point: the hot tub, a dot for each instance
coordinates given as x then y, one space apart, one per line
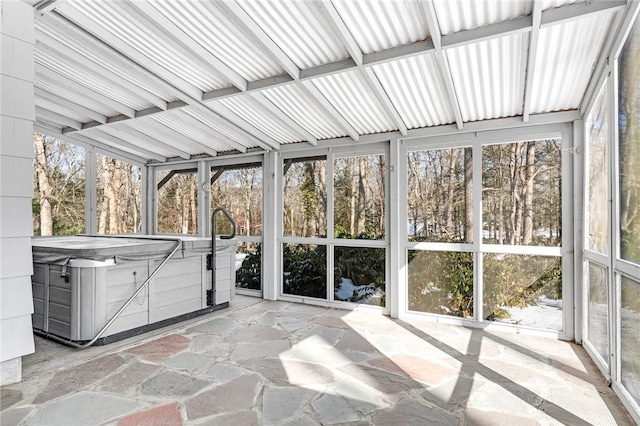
80 282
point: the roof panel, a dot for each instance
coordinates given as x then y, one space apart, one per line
489 76
294 102
381 24
416 88
46 84
295 27
458 15
204 22
128 24
566 57
351 96
255 114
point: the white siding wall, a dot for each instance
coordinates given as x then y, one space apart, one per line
17 113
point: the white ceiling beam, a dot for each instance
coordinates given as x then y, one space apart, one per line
284 118
77 61
577 11
443 62
531 58
171 134
84 142
332 16
312 91
73 86
56 118
71 106
118 142
46 6
178 35
124 131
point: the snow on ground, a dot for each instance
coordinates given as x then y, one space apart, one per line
547 315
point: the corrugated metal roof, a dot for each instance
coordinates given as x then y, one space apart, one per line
381 24
204 23
567 55
293 100
280 71
353 99
488 77
256 115
415 86
124 21
295 27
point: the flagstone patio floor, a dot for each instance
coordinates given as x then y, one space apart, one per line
277 363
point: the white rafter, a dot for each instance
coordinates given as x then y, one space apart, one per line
441 59
105 137
536 17
286 120
333 17
124 131
57 118
71 106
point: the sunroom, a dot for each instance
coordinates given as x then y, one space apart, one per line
473 163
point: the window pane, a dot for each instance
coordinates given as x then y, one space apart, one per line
441 282
305 198
598 188
249 266
58 187
118 196
239 190
629 136
360 275
439 195
359 197
305 270
598 314
523 290
630 337
521 202
177 201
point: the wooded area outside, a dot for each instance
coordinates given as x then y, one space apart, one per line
177 201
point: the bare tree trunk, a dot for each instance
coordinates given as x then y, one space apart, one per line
528 197
44 186
449 202
113 184
468 194
363 184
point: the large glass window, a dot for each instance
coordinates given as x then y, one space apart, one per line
305 270
521 203
439 195
359 197
523 290
177 201
360 275
58 187
598 310
118 196
597 188
630 336
305 197
629 146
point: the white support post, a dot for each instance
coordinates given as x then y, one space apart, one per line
150 196
570 290
91 194
203 206
271 276
579 147
397 232
478 290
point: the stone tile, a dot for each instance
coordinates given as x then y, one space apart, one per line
188 361
353 341
172 384
321 335
292 324
206 342
453 393
288 372
329 321
304 420
474 417
279 403
222 372
268 319
257 333
76 378
9 397
327 356
237 395
164 415
240 418
215 326
259 349
424 370
84 408
128 378
161 349
384 381
361 397
409 412
219 351
14 416
334 409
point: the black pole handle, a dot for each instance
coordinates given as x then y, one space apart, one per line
213 223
